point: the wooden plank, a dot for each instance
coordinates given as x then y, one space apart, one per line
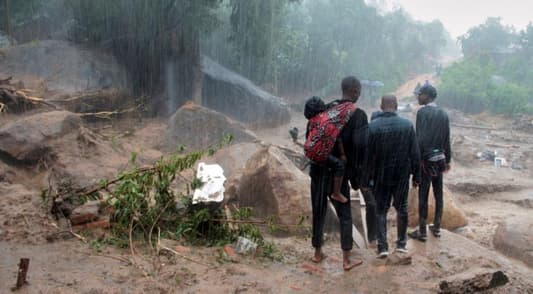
22 273
363 216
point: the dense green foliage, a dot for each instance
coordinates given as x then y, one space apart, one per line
495 74
307 47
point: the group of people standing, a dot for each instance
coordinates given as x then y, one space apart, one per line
380 158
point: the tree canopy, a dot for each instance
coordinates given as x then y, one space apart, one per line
496 72
286 46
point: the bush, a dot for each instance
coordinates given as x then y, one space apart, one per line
471 86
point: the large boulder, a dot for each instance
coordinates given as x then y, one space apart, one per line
62 67
233 158
515 239
198 127
236 96
452 218
273 186
27 139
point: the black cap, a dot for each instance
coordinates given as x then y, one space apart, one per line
428 90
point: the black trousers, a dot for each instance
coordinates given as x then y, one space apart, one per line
371 218
423 197
398 195
321 188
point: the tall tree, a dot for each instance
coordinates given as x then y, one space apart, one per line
490 37
145 35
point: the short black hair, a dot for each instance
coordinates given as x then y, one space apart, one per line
428 90
349 83
314 106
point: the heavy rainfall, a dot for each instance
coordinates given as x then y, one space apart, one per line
263 146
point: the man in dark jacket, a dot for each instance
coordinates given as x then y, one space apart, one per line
393 157
433 133
322 178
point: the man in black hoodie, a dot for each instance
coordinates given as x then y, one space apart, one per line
322 180
433 133
392 157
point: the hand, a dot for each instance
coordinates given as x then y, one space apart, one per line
343 158
416 184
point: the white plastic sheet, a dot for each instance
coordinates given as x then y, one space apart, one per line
212 177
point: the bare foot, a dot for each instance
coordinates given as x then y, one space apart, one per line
348 265
339 197
319 257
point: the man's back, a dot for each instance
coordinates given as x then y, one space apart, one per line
433 131
358 121
393 150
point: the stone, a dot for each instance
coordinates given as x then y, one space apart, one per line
452 217
514 238
85 213
197 127
27 139
233 158
273 186
227 92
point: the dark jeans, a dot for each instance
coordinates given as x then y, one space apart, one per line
371 221
321 185
398 195
423 195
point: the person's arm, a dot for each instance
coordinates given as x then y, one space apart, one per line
369 160
447 144
414 154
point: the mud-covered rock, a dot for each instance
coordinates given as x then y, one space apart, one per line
233 158
236 96
273 186
27 139
515 239
198 127
85 213
452 217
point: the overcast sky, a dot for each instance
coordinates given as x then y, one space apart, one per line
458 16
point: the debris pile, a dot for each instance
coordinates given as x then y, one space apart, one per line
14 98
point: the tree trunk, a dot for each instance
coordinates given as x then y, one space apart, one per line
8 22
197 74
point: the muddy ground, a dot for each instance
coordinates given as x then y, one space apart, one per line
60 263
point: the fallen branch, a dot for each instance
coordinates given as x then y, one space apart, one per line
79 237
79 97
106 114
18 100
22 273
502 145
6 81
474 127
185 257
254 222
